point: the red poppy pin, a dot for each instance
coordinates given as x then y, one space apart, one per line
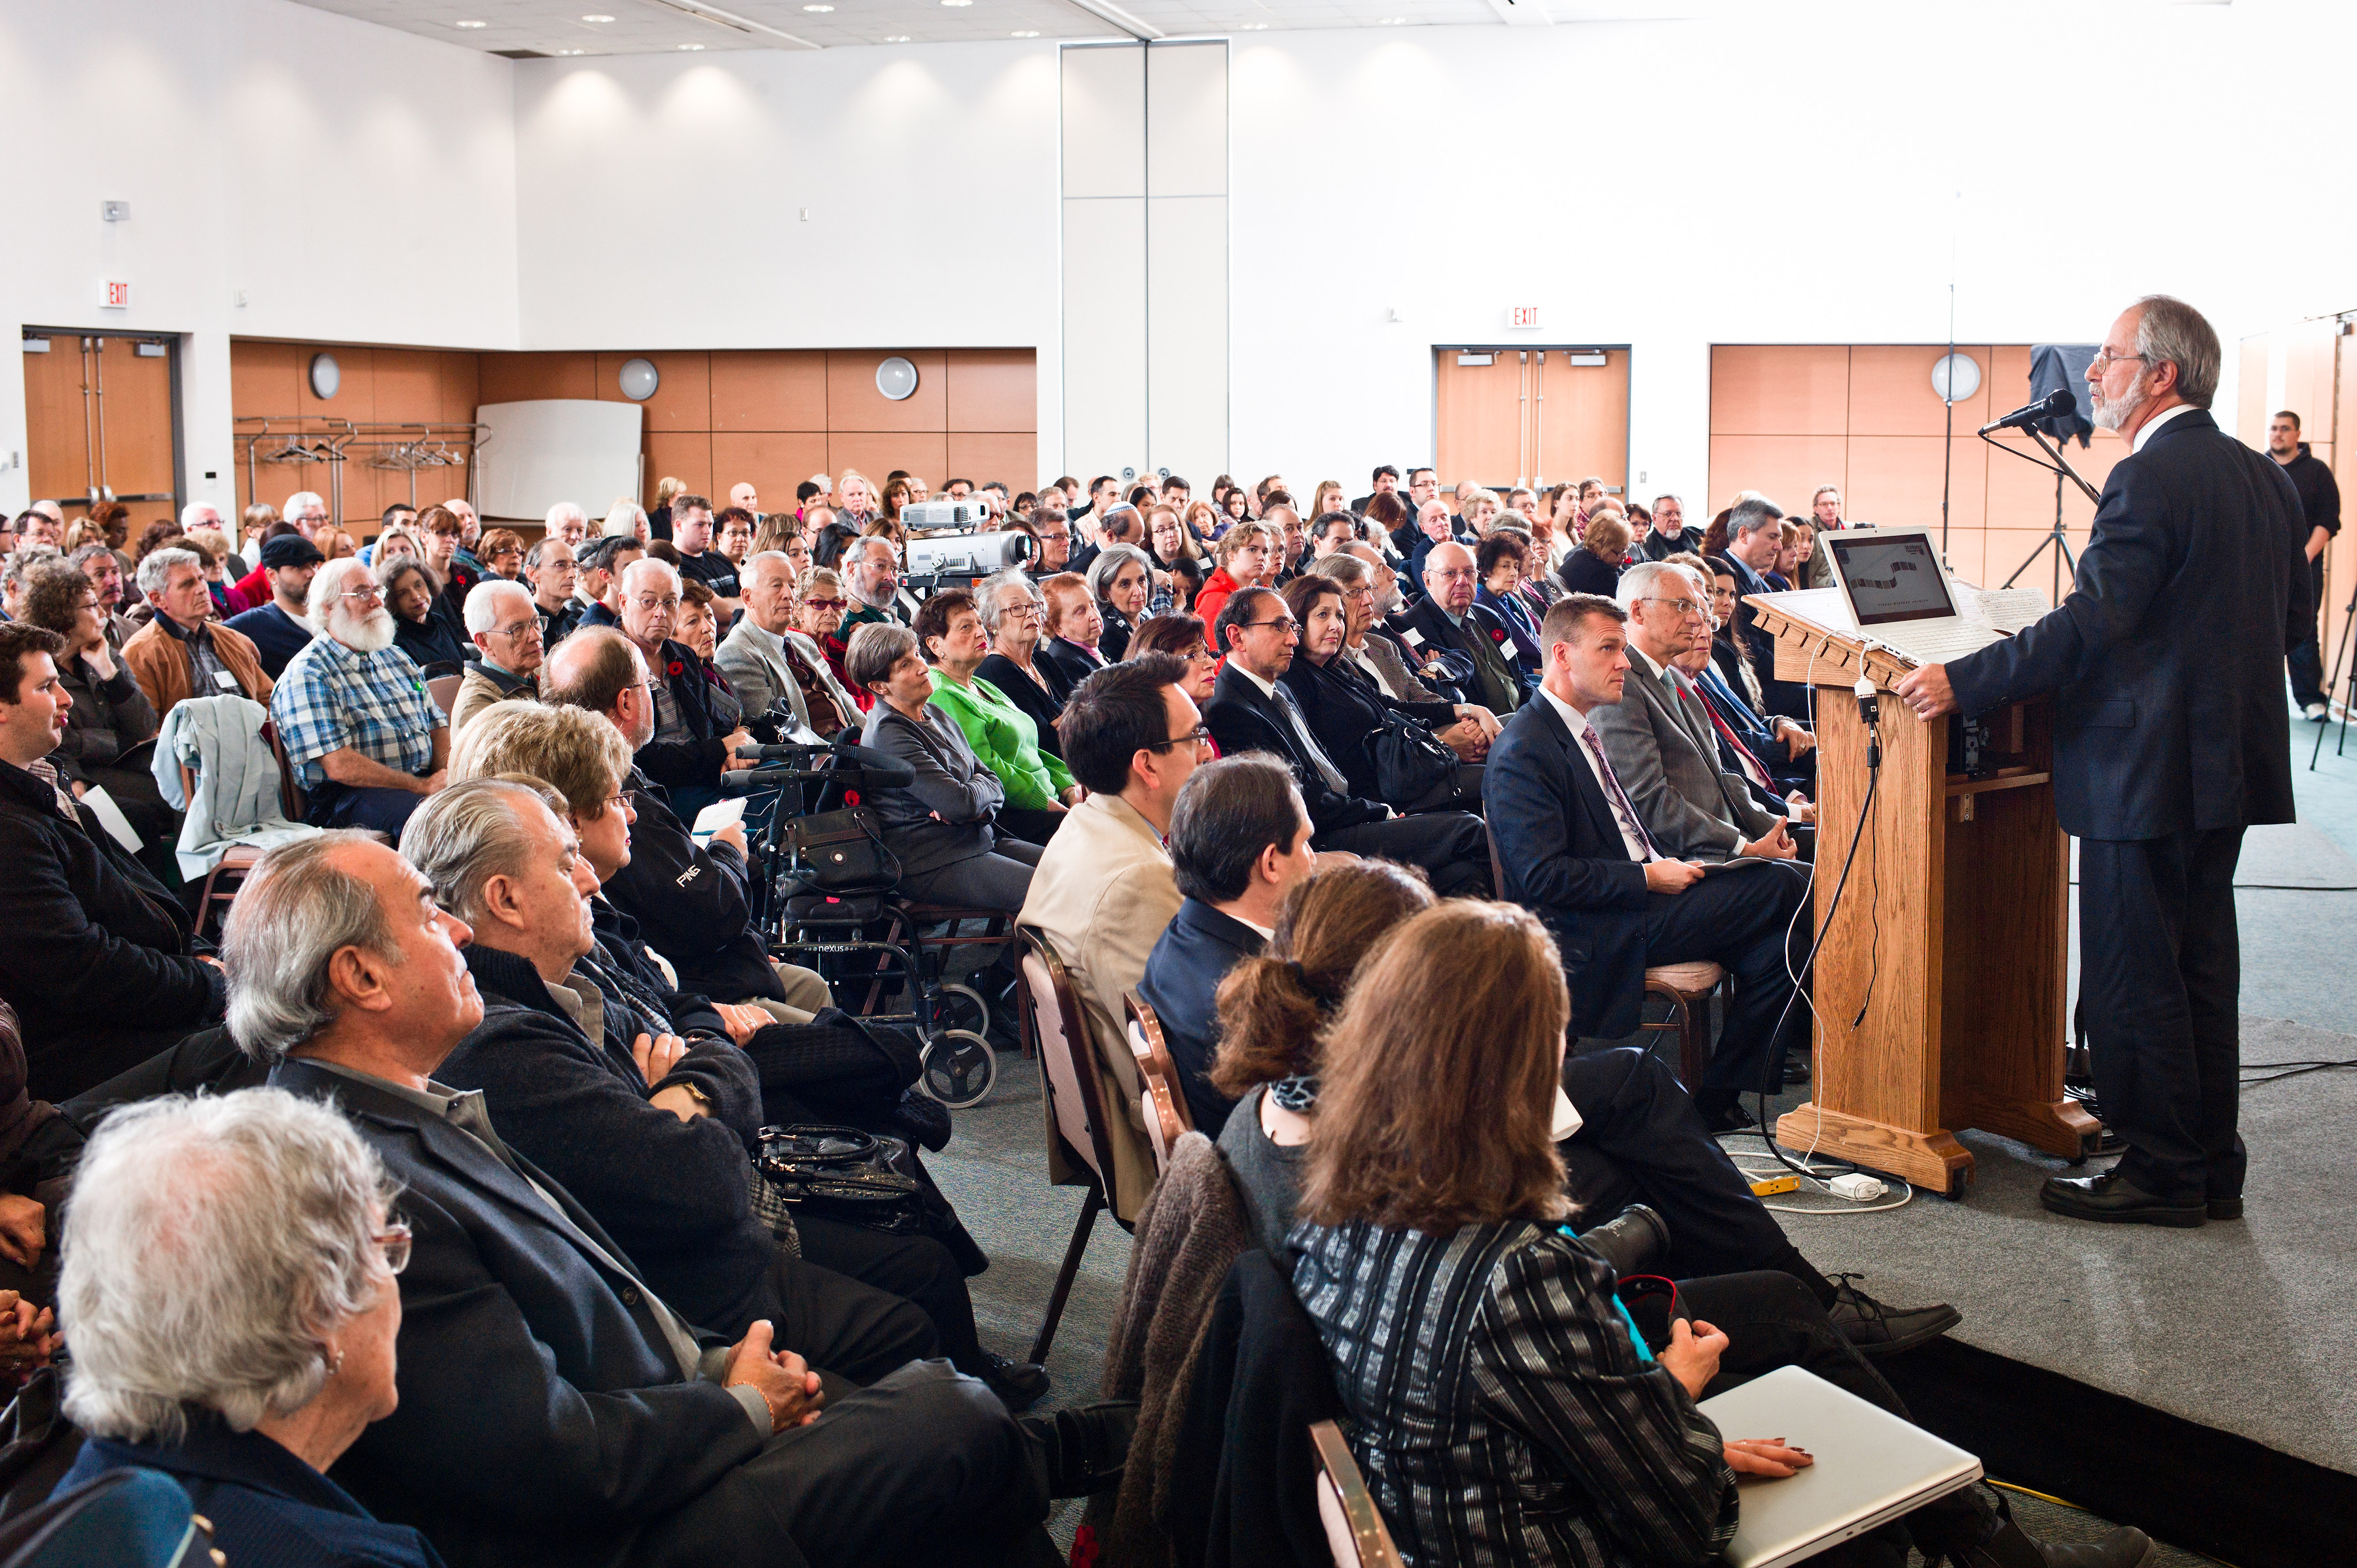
1497 634
676 668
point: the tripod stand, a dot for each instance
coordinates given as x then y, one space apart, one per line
2340 659
2058 538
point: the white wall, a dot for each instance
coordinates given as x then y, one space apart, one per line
1674 185
358 183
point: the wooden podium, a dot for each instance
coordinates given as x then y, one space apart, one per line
1952 938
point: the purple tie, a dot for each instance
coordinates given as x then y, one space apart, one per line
1620 797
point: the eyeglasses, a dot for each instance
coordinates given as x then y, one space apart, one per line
1286 624
826 604
520 628
649 604
1195 737
1683 608
1026 609
2105 358
394 1240
364 595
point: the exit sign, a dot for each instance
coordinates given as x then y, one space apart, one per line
1523 317
114 294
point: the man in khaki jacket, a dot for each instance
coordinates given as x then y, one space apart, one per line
1105 888
182 652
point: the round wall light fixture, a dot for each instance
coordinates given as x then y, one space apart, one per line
1955 377
325 376
638 379
896 378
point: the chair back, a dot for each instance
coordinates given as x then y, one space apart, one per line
444 690
1159 1095
1497 867
292 800
1354 1530
131 1518
1052 1011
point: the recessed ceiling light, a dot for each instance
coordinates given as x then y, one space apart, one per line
897 38
957 2
820 10
597 19
1029 33
470 24
1255 27
690 46
573 51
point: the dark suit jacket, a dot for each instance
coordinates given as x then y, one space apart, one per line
544 1418
2166 657
693 904
1585 572
1023 693
1497 685
1183 972
1243 719
1561 857
1787 697
693 761
1064 664
1345 710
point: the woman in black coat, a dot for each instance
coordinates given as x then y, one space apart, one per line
111 715
1595 567
1346 710
410 593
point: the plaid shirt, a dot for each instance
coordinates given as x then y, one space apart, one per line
332 697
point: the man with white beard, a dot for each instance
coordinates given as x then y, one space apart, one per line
365 740
871 572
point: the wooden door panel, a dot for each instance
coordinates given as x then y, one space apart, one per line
57 423
1583 425
1480 414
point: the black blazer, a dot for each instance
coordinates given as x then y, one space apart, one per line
694 762
522 1355
1183 972
1113 641
2166 659
431 644
1789 698
1064 665
1497 684
1023 693
1345 710
99 959
1585 572
1243 719
1561 857
693 904
946 814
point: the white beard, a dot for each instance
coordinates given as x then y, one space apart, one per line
2110 414
370 633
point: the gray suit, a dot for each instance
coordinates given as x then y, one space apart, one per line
1396 677
1663 747
755 666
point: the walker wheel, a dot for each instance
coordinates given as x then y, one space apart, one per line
961 1007
960 1069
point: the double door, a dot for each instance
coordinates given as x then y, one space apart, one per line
101 421
1508 416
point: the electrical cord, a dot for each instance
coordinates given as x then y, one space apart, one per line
1814 1174
2291 1069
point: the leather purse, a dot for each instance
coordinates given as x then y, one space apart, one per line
1411 762
841 851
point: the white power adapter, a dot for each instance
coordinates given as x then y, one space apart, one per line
1857 1187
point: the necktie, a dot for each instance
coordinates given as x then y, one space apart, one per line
1751 765
1334 779
1621 806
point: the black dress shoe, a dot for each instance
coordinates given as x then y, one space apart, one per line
1086 1447
2113 1199
1734 1119
1019 1385
1877 1330
1796 1069
2225 1207
2005 1545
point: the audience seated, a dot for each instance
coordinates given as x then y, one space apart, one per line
548 567
233 1288
1666 534
870 569
1350 714
693 901
943 827
1104 889
1489 1372
1501 559
692 531
1446 619
105 569
413 596
101 960
1238 841
1662 744
535 1358
278 626
637 1098
181 653
1595 567
688 750
1121 582
1436 525
1251 710
1039 788
364 738
760 660
1785 747
1014 617
507 636
440 533
1186 639
1052 537
823 600
1754 539
599 591
1574 851
699 632
1373 649
1247 557
1070 626
108 720
500 551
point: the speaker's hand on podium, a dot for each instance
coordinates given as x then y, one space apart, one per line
1927 691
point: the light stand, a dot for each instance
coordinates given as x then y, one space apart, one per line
2062 470
2340 658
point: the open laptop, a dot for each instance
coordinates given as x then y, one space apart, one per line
1900 596
1871 1467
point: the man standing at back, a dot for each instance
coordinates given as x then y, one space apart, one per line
2319 503
2170 738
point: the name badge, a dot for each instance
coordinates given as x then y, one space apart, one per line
226 682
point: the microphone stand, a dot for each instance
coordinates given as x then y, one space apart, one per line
2060 469
2340 658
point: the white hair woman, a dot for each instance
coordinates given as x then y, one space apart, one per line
228 1276
627 519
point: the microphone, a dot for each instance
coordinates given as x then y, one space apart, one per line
2054 405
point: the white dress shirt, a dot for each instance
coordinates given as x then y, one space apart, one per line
2155 423
1576 722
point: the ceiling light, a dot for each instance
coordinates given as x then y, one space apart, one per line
691 46
957 2
597 19
470 24
897 38
1255 27
573 51
820 10
1029 33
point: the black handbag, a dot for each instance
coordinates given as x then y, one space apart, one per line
859 1178
1411 762
841 851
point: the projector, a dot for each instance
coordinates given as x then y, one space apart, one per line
964 554
922 516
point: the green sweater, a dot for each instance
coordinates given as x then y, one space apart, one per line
1006 739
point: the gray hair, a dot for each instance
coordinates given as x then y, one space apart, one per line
1641 581
645 565
875 647
483 602
294 912
1109 563
157 568
192 516
986 593
17 564
777 558
624 520
1348 570
300 502
2171 330
328 584
564 512
216 1243
465 835
1752 514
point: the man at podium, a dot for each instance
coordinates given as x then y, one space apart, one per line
2170 738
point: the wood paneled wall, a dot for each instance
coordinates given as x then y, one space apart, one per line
774 417
378 386
1785 418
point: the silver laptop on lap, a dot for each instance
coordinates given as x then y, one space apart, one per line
1900 593
1871 1467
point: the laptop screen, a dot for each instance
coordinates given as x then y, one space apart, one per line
1891 579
